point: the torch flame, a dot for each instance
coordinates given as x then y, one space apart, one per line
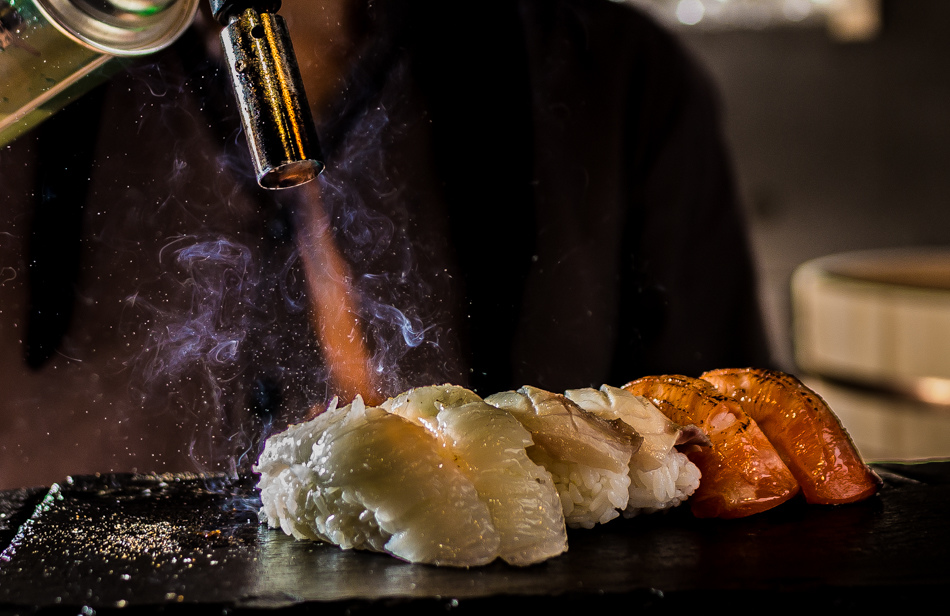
333 303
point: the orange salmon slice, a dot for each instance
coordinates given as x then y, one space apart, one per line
742 473
805 432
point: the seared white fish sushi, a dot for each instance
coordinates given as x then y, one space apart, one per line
491 447
660 476
588 457
360 477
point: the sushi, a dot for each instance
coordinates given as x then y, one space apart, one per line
490 446
437 475
360 477
587 457
661 477
433 476
742 473
805 432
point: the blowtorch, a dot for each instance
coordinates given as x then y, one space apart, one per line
55 50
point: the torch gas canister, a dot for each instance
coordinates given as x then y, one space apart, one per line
52 51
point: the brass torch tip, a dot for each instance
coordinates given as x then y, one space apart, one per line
274 110
290 174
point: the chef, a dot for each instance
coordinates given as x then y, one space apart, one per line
534 192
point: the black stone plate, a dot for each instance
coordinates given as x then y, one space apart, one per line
190 543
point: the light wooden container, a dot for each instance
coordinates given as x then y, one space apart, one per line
873 329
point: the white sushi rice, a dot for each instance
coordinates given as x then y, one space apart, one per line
662 488
589 496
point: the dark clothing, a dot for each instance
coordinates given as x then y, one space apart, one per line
532 193
579 163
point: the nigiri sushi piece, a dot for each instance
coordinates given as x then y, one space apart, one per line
363 478
742 472
491 447
660 476
588 457
804 431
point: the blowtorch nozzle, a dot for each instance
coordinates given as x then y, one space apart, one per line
274 109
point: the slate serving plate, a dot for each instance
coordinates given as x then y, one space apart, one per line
192 543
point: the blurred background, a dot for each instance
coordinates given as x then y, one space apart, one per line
838 114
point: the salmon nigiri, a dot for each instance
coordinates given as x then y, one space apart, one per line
742 473
804 431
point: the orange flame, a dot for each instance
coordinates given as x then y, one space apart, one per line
333 304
